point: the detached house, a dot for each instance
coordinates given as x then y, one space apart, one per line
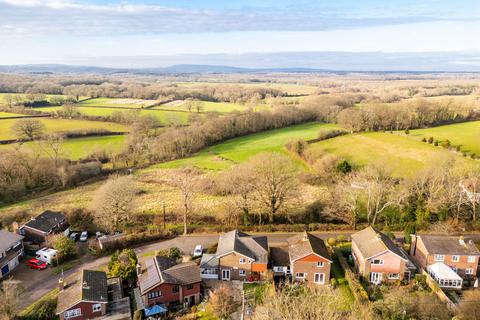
90 295
305 259
165 283
39 228
239 256
378 259
444 256
11 251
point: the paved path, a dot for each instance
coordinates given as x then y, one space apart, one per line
38 283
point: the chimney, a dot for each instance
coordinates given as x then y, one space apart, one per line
139 269
305 236
61 284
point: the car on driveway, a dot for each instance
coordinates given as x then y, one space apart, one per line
198 251
84 236
36 264
74 236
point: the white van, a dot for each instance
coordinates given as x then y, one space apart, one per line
47 255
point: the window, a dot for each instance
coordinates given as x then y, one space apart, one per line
189 286
96 307
377 261
320 264
455 258
175 289
471 259
393 276
241 272
469 271
300 275
243 261
154 294
439 257
319 278
72 313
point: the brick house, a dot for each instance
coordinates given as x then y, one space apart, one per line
378 259
459 254
39 228
164 282
84 297
11 251
305 259
239 256
90 295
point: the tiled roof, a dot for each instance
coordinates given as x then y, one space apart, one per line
7 239
254 247
46 221
304 244
450 245
164 270
87 285
371 242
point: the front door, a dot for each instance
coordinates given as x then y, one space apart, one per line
375 277
192 300
225 274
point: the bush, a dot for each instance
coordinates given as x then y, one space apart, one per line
424 139
407 131
331 242
435 143
138 315
344 167
446 144
172 253
333 283
430 140
341 238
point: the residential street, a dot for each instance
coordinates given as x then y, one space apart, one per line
38 283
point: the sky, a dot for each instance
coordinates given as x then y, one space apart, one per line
95 31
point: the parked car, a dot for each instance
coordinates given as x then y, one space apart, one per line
98 234
198 251
36 264
74 236
84 236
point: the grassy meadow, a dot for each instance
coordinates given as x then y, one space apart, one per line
405 156
77 148
61 125
23 96
117 103
9 114
466 135
208 106
223 155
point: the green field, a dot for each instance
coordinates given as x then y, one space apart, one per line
118 103
208 106
61 125
238 150
9 114
466 135
77 148
405 156
165 117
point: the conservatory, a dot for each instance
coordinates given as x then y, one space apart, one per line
445 276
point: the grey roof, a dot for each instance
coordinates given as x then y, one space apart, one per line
280 256
46 221
371 242
164 270
88 285
254 247
209 261
449 245
7 239
304 244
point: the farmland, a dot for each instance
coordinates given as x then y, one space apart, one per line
61 126
240 149
405 156
208 106
165 117
117 103
466 135
23 96
77 148
9 114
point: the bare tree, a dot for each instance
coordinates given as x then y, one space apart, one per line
274 182
52 145
470 191
10 299
114 202
345 202
185 180
470 305
238 181
28 129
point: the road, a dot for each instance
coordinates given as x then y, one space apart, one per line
38 283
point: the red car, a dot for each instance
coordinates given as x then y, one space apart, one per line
36 264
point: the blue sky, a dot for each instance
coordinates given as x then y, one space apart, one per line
78 31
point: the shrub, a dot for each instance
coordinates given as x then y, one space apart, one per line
407 131
333 283
344 167
473 155
424 139
430 140
138 315
435 143
446 143
341 238
458 148
331 242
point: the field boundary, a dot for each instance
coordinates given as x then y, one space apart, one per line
27 116
91 134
